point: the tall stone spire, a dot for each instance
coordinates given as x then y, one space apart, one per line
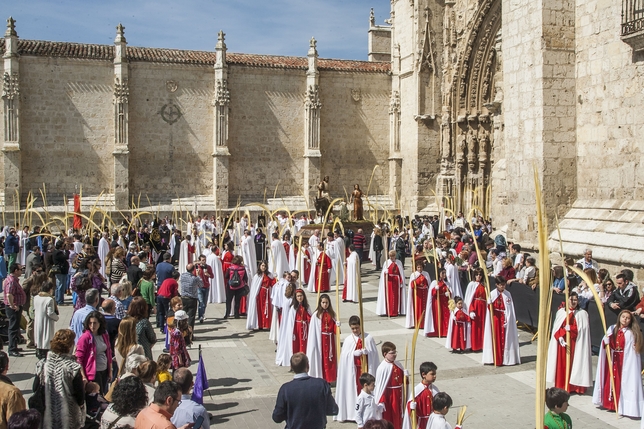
312 107
221 103
121 150
12 158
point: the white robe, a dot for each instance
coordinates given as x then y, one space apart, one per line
314 346
353 271
183 256
631 397
277 262
410 314
453 280
345 391
338 259
45 321
511 354
103 250
285 341
382 379
381 303
251 302
22 256
249 255
292 262
372 253
417 391
469 296
217 292
428 326
437 421
279 301
581 371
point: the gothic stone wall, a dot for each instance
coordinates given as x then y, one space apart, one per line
610 81
170 159
66 127
354 134
266 132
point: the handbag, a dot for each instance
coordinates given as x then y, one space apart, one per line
245 290
37 400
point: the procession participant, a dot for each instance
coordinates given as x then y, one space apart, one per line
103 250
260 307
442 404
504 323
453 280
305 257
217 292
580 371
417 296
260 245
625 343
350 290
350 368
475 304
389 385
175 246
289 249
340 255
321 344
391 299
279 301
422 401
249 254
185 254
287 328
437 314
320 276
277 262
458 333
302 318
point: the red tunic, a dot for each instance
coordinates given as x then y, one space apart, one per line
392 397
287 248
357 362
459 330
329 356
498 308
323 263
393 290
301 329
616 345
419 293
264 304
440 329
191 252
226 260
424 407
560 371
478 306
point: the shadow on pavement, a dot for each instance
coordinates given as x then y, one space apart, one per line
227 381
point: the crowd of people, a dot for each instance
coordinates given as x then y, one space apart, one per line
131 286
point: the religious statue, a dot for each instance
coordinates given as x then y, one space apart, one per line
344 212
323 199
356 198
472 143
461 146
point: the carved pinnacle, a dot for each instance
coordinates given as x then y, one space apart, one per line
11 28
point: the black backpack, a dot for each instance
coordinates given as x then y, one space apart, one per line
235 281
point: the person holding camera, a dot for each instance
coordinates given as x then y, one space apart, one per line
205 273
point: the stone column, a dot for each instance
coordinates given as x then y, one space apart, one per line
395 157
11 100
312 107
121 147
220 135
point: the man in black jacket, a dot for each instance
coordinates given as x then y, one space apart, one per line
60 268
625 297
305 401
378 245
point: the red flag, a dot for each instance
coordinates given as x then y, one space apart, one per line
78 221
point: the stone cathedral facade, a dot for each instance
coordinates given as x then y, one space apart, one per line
458 99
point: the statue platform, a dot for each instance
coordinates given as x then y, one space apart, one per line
307 231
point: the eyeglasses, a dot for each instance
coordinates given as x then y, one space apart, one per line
393 353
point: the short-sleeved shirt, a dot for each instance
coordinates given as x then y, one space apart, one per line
12 286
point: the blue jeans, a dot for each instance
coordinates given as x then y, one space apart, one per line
61 287
203 300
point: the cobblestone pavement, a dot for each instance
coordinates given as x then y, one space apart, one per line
244 380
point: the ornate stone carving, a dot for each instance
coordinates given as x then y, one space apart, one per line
461 146
394 121
472 143
121 91
170 113
171 85
222 95
11 28
484 143
10 86
446 147
355 94
312 98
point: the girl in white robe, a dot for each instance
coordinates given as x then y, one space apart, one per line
287 330
321 345
350 292
253 313
625 345
452 278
